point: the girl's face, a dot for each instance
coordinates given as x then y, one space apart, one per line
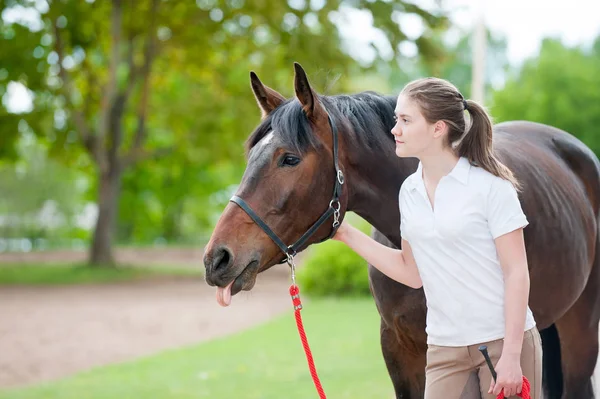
414 136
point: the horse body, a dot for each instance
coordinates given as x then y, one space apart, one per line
561 199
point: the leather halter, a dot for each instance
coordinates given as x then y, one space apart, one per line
334 208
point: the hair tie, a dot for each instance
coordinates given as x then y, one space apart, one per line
465 104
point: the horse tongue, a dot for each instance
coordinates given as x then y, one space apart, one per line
224 295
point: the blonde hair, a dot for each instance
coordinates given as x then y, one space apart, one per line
438 100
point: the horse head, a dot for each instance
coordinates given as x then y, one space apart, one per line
288 183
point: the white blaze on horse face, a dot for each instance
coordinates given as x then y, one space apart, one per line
266 140
259 150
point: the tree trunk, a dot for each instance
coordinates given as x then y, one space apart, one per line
108 201
172 222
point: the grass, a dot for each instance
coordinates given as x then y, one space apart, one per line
265 362
49 274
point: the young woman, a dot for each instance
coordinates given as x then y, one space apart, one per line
462 241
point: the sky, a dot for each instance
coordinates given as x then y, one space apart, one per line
526 22
523 22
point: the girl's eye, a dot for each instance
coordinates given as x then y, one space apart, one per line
290 160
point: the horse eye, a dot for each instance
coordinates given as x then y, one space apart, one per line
290 160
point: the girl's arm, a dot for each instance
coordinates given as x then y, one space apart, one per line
397 264
513 259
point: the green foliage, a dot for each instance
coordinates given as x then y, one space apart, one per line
333 269
41 198
559 87
265 362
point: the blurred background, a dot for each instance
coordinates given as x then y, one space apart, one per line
122 129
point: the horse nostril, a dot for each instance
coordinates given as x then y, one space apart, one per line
222 259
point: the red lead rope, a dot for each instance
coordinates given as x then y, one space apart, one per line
525 390
295 293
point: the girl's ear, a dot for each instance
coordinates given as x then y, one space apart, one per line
439 129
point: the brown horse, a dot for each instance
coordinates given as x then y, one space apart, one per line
288 184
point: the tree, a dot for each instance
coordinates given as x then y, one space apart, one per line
549 90
101 72
40 196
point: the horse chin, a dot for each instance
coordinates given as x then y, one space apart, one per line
246 279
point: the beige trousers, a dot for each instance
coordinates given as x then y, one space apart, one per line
462 373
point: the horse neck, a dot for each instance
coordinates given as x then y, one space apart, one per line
374 179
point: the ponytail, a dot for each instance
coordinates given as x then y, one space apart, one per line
476 144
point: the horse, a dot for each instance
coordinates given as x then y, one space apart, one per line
310 145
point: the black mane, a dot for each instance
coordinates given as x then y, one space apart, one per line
364 116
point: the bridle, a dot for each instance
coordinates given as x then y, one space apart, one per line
334 209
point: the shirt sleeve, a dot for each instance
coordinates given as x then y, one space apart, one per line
504 212
402 217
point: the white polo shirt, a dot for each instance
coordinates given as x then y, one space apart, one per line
453 246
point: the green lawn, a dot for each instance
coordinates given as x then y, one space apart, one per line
32 274
265 362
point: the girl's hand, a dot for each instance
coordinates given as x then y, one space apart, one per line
509 376
342 231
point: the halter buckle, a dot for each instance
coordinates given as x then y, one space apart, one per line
291 252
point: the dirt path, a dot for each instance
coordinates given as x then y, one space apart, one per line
51 332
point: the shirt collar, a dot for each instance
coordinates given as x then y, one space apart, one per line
460 172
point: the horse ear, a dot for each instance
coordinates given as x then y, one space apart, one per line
304 93
267 98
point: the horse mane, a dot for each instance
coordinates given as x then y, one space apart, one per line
364 116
